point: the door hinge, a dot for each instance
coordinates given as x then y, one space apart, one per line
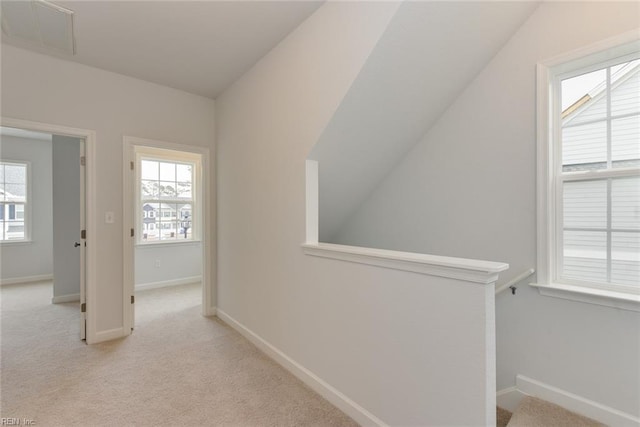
132 233
133 299
131 164
83 234
83 307
83 160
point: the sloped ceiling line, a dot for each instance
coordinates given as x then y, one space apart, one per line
429 53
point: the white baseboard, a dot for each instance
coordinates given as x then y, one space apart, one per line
509 399
26 279
65 298
211 311
109 334
167 283
355 411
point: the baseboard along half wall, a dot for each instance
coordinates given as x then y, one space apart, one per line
509 399
26 279
109 334
349 407
167 283
65 298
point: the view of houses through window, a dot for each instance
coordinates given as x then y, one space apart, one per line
13 200
600 176
166 200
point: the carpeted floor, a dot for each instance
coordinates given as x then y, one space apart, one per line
178 368
533 412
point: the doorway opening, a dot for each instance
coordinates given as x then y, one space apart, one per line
43 222
166 229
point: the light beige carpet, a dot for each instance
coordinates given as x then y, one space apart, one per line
178 368
533 412
502 417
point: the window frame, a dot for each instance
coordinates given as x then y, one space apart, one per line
169 156
550 176
27 220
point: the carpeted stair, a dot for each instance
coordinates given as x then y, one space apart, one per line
533 412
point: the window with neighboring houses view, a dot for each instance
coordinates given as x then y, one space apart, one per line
13 201
595 174
166 200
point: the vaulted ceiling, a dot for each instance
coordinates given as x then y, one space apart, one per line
196 46
427 56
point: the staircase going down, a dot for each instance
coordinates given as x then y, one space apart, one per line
533 412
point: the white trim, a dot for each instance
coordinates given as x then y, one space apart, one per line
206 192
28 218
167 244
624 301
312 202
65 298
573 402
549 175
109 334
26 279
469 270
509 398
348 406
167 283
89 137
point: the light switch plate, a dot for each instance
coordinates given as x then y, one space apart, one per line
109 217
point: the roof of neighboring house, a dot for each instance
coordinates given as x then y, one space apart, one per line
595 94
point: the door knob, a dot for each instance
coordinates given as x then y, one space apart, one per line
76 244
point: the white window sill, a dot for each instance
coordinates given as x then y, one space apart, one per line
15 242
470 270
168 244
613 299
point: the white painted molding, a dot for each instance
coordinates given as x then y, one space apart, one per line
469 270
348 406
207 197
168 283
312 201
509 398
90 140
575 403
65 298
108 335
602 297
26 279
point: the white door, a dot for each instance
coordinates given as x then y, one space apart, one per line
68 222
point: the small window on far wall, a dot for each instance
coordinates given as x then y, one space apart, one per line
13 201
167 198
593 180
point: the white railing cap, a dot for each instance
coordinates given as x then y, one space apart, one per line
471 270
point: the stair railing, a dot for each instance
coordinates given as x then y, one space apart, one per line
511 284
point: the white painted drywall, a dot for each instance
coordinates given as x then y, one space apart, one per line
44 89
425 58
468 189
18 259
385 339
156 264
66 216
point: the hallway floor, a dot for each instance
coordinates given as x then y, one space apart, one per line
178 368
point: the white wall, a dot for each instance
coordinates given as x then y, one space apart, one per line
44 89
66 216
18 259
158 264
378 336
468 189
430 51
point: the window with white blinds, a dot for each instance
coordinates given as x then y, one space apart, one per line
597 175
